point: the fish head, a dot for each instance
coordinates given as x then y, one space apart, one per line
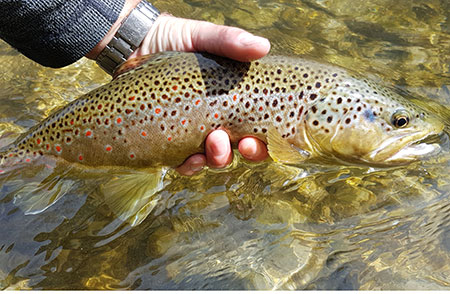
376 127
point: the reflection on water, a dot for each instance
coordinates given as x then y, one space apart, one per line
249 226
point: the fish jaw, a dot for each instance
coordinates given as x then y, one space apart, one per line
368 143
407 146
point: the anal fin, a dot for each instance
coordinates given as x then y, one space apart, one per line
35 198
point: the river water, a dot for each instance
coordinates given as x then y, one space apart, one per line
249 226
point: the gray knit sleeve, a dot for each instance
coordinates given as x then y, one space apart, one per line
56 33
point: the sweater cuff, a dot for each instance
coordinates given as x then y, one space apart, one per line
59 33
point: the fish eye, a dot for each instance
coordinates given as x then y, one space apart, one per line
400 119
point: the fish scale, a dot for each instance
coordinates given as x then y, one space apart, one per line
159 109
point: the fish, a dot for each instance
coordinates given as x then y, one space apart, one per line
159 108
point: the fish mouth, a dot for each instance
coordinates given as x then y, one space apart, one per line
417 146
420 149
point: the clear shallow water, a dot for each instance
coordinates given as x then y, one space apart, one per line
249 226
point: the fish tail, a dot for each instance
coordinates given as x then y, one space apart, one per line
11 158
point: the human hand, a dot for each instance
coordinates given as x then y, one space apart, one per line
170 33
176 34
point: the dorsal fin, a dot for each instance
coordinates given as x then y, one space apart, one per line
131 64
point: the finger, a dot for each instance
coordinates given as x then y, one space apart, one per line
227 41
193 164
178 34
218 149
253 149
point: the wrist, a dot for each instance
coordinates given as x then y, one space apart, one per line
126 10
128 37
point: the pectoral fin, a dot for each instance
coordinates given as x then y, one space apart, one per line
132 196
282 151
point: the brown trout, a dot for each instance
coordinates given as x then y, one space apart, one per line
159 109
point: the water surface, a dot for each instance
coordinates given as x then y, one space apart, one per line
249 226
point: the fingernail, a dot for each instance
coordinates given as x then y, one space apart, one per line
248 39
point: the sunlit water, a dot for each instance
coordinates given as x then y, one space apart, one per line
249 226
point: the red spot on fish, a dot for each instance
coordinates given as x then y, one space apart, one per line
80 157
38 141
72 122
202 128
142 107
183 121
88 133
10 155
234 97
132 155
26 160
47 147
58 148
99 106
197 102
169 139
260 108
108 148
131 98
144 134
174 88
157 110
1 171
119 120
216 115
